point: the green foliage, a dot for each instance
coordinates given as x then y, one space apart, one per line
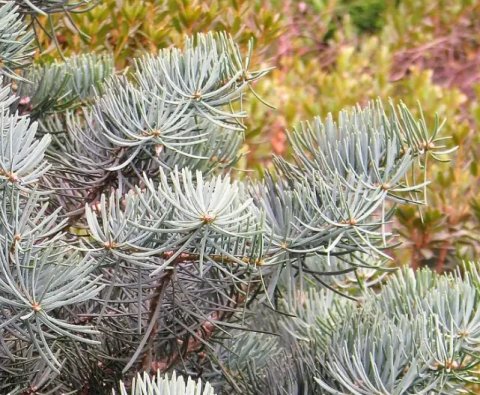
367 15
129 28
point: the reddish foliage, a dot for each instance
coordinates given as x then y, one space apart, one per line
454 57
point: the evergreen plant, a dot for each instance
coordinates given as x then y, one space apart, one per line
134 259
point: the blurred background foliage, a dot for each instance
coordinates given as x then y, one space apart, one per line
329 54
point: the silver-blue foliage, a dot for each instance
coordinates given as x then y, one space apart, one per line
128 243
